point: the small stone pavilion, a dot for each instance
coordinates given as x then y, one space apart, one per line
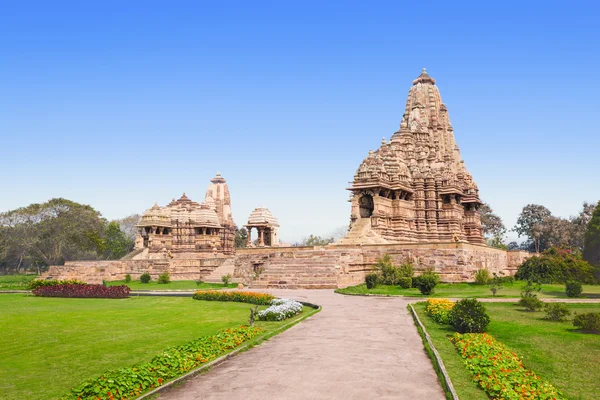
266 225
412 198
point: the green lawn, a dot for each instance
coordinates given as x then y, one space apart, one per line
461 290
50 344
15 282
173 285
566 358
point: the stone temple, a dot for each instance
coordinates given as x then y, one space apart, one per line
415 188
411 198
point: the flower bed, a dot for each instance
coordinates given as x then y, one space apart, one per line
127 383
83 291
438 309
262 299
499 371
280 309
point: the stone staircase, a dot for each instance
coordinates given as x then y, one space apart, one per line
309 270
361 233
136 254
227 267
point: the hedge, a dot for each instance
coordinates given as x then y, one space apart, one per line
52 282
83 291
499 371
262 299
128 383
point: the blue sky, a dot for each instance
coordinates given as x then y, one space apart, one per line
122 105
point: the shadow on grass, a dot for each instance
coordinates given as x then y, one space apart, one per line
583 295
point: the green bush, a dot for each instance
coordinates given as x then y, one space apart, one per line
529 298
145 278
482 276
371 280
226 279
406 270
164 278
387 271
496 284
52 282
556 311
262 299
589 322
405 282
556 266
127 278
427 281
573 288
469 316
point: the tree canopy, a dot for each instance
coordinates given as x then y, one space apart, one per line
591 248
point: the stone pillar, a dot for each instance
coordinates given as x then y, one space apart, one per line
249 244
261 235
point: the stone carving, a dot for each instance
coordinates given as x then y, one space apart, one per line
415 188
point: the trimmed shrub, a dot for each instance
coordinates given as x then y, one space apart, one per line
83 291
145 278
556 311
482 276
130 382
589 322
226 279
556 266
573 288
262 299
405 282
438 309
371 280
53 282
164 278
427 281
499 371
496 284
280 309
127 278
529 298
469 316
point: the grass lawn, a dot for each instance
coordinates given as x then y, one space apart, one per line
173 285
461 290
50 345
564 357
15 282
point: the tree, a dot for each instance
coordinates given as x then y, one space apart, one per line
513 246
493 227
591 248
580 224
128 226
241 238
50 233
313 240
529 225
116 244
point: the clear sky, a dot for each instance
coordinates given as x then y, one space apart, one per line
120 104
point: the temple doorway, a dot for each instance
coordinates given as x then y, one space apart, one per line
366 206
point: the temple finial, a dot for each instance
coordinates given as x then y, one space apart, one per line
424 71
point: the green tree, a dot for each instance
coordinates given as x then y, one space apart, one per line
116 244
241 238
313 240
591 248
529 224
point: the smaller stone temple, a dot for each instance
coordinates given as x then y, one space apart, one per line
184 227
266 225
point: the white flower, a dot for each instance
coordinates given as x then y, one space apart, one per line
280 309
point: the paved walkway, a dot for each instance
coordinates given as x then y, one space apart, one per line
355 348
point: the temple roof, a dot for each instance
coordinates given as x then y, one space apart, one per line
424 78
263 217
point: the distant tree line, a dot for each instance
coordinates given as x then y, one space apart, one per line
59 230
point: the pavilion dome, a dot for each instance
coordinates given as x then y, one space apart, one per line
262 216
155 216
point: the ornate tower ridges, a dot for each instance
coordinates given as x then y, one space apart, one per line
426 193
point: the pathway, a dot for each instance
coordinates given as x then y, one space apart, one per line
355 348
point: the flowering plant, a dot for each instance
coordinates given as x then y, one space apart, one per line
438 309
280 309
83 291
499 371
130 382
242 297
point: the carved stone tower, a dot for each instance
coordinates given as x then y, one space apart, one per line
416 188
218 194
